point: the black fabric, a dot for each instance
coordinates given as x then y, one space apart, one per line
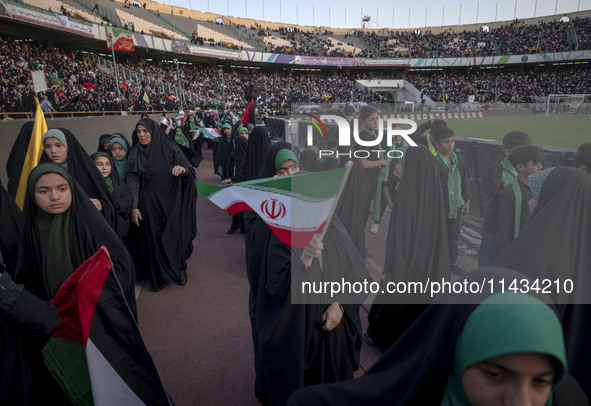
122 200
555 244
10 218
351 205
258 145
89 231
16 159
223 156
416 368
309 161
416 247
255 240
506 216
24 330
164 239
240 152
492 187
294 349
419 136
197 143
104 138
86 174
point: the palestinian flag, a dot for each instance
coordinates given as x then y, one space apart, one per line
122 40
98 354
211 133
248 116
294 207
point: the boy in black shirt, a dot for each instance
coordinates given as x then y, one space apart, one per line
454 184
514 199
498 177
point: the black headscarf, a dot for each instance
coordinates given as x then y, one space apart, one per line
554 244
416 369
121 196
10 218
14 165
167 203
104 138
86 174
50 252
416 247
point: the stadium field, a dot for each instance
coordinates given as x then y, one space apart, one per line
556 130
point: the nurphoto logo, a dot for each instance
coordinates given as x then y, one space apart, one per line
393 126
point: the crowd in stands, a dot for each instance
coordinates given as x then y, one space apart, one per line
501 86
75 84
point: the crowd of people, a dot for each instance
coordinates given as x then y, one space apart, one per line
75 84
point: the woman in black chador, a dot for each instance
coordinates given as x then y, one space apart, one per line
161 180
554 245
416 247
304 344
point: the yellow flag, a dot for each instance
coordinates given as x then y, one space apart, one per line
34 151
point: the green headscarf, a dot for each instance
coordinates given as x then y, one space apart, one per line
505 323
509 178
454 183
284 155
55 133
54 234
108 179
192 124
180 138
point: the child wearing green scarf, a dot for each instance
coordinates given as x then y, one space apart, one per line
454 184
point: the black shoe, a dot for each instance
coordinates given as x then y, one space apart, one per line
231 231
183 278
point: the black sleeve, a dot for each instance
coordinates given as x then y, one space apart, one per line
417 136
464 179
505 221
134 182
492 181
34 317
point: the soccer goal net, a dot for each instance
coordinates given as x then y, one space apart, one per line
568 103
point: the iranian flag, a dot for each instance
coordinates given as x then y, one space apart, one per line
122 40
98 354
181 116
211 133
294 207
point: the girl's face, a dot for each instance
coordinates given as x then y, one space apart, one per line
56 151
118 151
104 165
53 194
288 168
513 379
372 121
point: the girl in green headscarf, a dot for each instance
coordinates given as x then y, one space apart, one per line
186 145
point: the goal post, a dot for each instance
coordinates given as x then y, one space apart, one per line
567 103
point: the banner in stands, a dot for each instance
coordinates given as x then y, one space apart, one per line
382 62
51 20
500 60
184 48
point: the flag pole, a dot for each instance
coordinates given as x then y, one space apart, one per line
348 167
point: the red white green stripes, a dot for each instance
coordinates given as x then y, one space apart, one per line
294 207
